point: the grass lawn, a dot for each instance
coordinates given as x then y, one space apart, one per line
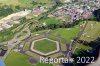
47 2
25 1
42 64
36 56
10 2
43 1
67 18
18 59
6 35
14 2
21 3
23 33
92 32
66 33
26 46
52 20
77 51
45 46
84 47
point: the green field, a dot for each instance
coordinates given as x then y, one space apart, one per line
77 51
18 59
6 35
84 47
45 2
14 2
26 46
20 3
93 33
66 33
45 46
23 33
52 20
25 1
10 2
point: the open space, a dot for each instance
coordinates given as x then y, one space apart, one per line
45 46
44 2
19 3
82 47
66 33
25 1
17 59
52 20
32 29
10 2
20 60
92 31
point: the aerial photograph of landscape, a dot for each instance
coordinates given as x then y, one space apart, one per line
49 32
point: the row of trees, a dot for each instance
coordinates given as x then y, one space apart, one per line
5 10
55 26
6 35
96 14
91 53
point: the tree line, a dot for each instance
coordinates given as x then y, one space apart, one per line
90 53
55 26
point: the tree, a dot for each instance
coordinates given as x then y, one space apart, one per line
5 10
96 13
